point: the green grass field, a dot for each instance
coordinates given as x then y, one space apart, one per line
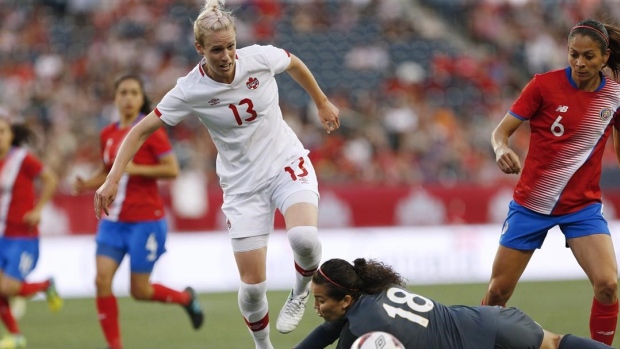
561 307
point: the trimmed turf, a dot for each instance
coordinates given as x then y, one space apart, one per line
561 307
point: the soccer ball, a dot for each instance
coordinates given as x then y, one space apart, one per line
377 340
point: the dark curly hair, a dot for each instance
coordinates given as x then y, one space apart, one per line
363 277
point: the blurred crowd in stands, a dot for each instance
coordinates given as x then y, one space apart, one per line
420 84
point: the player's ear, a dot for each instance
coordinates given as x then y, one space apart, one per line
199 49
346 301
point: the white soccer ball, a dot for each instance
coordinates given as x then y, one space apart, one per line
377 340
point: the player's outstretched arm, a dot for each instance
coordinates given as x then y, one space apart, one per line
328 113
132 142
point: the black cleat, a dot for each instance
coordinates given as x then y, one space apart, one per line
193 308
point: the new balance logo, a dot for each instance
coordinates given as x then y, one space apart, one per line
606 333
562 108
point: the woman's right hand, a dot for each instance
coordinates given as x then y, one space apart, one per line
104 196
78 186
507 161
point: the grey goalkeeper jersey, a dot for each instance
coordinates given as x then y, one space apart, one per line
418 322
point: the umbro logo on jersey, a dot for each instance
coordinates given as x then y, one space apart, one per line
252 83
214 101
562 108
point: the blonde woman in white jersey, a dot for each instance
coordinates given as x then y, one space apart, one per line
261 163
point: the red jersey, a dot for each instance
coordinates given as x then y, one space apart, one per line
18 171
138 197
569 129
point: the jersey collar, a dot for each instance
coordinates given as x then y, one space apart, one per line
569 76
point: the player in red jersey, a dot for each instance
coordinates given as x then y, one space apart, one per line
572 112
136 223
20 214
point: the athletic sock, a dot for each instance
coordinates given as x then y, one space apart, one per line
603 321
307 252
29 289
252 300
570 341
107 310
7 316
164 294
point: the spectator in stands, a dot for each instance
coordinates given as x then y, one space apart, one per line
262 165
370 296
21 215
135 224
571 113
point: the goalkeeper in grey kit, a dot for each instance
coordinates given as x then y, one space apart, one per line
370 296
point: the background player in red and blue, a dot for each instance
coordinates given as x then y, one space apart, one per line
368 296
572 112
20 214
136 225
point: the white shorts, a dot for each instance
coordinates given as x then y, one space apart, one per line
252 214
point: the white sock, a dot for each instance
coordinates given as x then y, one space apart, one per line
307 252
252 300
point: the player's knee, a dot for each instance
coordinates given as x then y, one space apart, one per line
6 290
252 293
497 295
103 282
304 240
606 290
141 292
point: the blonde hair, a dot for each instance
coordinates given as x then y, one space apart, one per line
212 18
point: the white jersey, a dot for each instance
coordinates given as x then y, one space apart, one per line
253 141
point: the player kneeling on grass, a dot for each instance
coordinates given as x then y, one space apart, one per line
19 237
369 296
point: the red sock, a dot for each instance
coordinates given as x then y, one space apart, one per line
27 290
107 310
603 321
7 316
164 294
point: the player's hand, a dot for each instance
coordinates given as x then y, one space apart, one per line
328 113
78 186
104 196
507 161
32 218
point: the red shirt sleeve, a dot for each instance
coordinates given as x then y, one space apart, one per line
529 101
31 166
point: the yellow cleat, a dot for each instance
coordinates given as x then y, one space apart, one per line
12 341
53 299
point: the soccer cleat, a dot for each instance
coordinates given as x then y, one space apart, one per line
292 312
13 341
53 299
193 309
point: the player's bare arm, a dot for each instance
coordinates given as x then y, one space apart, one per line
506 159
49 182
328 113
167 168
133 141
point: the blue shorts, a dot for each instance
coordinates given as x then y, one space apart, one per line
525 229
18 256
143 241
